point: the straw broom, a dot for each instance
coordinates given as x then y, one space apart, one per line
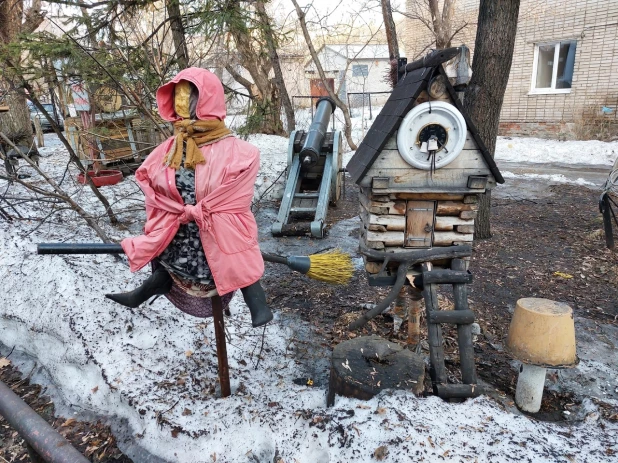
333 267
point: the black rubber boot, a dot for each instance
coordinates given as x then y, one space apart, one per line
256 300
160 282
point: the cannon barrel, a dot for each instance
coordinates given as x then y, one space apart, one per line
315 135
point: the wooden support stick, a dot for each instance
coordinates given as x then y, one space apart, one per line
464 332
414 317
224 372
434 332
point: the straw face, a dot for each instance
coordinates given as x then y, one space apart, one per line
332 267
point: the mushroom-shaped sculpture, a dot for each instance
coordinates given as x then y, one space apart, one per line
541 336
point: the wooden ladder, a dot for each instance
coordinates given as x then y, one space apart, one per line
463 317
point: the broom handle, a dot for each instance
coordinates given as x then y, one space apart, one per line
110 248
79 248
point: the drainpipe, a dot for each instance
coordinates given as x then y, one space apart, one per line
38 434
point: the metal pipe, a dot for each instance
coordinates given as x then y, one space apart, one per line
300 264
44 439
310 152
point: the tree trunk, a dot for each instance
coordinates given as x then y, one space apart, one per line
265 111
391 40
178 33
442 22
274 56
16 122
316 61
493 55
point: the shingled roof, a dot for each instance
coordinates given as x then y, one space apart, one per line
398 105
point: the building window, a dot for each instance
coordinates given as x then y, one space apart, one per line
360 70
552 71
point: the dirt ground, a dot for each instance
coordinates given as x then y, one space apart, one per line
550 247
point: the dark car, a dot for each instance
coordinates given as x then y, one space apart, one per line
45 124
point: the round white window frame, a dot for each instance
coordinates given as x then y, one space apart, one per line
442 113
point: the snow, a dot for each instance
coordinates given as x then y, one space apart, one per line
553 178
153 371
540 151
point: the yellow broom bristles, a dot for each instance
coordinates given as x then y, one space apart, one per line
332 267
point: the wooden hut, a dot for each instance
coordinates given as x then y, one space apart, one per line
420 168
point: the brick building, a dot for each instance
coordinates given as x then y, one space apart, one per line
564 76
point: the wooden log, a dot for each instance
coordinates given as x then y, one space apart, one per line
458 391
390 207
446 238
448 222
418 256
455 317
376 228
380 198
391 222
468 214
434 333
364 366
4 108
427 196
446 276
465 228
389 238
454 208
377 245
373 267
464 332
224 372
471 199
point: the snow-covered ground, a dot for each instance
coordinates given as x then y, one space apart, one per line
153 371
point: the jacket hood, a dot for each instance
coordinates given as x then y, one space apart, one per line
211 100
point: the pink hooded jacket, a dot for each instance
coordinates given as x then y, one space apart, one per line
223 192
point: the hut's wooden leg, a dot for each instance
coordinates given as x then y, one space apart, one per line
414 316
224 372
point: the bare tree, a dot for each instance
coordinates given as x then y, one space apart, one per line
440 22
391 39
493 55
316 61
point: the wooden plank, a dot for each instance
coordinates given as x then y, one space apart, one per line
419 223
4 108
404 179
427 196
391 159
391 222
446 238
454 208
470 144
447 223
389 238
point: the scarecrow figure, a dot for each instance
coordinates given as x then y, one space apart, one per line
200 235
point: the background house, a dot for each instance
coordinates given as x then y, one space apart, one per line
350 69
564 76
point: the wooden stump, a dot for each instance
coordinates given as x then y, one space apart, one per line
364 366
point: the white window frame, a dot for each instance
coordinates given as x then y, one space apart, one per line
552 89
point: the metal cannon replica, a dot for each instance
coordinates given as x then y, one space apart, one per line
313 176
